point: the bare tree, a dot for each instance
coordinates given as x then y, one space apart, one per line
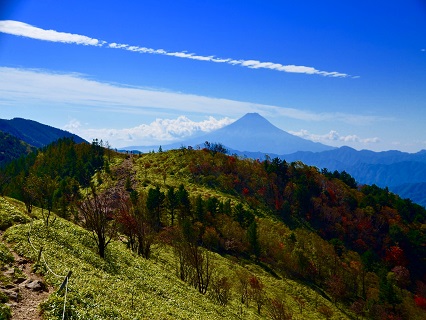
257 292
98 211
47 187
184 267
39 190
221 290
194 263
134 220
201 262
278 310
243 277
28 189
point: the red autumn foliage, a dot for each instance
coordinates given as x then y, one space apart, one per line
395 256
420 302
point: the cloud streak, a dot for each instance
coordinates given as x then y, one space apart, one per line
22 29
25 30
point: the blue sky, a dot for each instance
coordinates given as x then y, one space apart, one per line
144 72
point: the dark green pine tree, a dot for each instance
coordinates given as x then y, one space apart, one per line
155 204
184 206
199 208
172 202
253 239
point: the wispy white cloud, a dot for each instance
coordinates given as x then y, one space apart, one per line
254 64
26 30
160 131
334 136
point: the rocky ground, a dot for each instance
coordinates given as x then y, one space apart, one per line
25 289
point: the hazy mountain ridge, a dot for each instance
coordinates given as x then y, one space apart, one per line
404 173
34 133
350 156
414 191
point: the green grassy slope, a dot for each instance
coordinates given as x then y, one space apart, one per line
126 286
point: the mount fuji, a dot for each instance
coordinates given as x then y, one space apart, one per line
252 133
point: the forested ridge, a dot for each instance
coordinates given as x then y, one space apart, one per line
360 247
12 148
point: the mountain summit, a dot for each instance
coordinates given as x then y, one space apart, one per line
254 133
251 133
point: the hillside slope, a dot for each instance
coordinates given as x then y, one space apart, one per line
12 148
280 237
35 133
126 286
